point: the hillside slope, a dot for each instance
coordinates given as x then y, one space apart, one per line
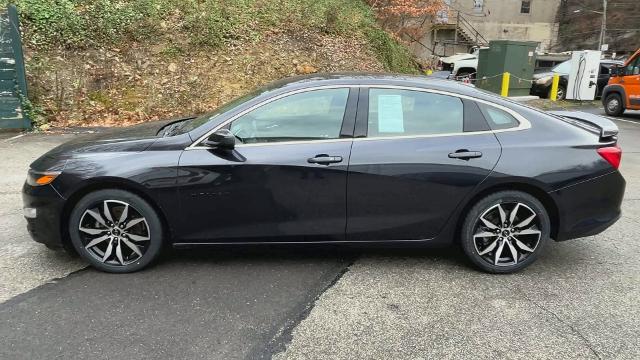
116 63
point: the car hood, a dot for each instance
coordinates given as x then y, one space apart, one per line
543 74
128 139
458 57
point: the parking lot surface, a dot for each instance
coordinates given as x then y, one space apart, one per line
580 300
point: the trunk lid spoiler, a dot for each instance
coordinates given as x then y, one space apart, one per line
605 127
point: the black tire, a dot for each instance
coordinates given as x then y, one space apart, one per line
613 105
562 92
120 241
507 200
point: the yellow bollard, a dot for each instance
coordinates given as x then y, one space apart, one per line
505 84
429 72
554 87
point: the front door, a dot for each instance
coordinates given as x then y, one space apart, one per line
419 159
631 83
284 181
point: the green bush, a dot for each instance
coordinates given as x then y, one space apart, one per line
94 23
393 55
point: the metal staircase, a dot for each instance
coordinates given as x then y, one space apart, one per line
459 29
13 85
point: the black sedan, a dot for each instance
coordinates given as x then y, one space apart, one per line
541 85
340 158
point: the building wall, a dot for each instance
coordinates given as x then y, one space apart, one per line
498 20
503 19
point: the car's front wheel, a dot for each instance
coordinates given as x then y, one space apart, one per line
115 231
613 105
505 231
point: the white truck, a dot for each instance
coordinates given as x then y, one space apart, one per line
461 65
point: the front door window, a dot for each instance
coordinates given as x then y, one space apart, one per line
306 116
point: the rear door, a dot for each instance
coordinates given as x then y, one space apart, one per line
284 181
419 154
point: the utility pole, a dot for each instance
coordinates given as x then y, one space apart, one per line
603 26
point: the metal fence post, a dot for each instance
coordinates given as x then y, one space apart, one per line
504 91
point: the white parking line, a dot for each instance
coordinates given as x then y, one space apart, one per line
14 137
625 120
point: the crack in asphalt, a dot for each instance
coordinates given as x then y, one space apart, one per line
284 335
563 322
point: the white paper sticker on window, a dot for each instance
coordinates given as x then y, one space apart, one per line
390 119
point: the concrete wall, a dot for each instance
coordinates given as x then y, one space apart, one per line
502 19
498 20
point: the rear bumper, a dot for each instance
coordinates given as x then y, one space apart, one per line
44 207
590 207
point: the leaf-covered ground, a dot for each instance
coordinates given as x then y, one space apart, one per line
123 86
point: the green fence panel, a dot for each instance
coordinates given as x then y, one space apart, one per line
13 82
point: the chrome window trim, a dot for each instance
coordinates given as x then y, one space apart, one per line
277 97
523 122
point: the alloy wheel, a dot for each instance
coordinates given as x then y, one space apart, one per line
506 234
114 232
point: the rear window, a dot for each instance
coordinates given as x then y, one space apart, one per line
497 118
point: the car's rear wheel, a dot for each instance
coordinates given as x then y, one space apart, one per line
613 105
115 231
505 231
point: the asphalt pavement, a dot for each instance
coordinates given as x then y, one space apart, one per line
580 300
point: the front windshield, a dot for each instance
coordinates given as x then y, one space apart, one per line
190 124
562 68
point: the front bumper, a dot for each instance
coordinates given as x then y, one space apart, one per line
43 210
590 207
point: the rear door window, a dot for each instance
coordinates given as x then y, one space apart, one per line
396 112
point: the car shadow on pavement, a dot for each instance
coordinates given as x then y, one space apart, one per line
283 253
563 256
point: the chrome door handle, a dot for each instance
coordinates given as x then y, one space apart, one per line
465 154
324 159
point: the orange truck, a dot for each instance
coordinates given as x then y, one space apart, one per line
623 90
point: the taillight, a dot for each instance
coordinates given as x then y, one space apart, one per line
612 154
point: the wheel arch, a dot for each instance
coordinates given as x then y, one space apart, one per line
547 201
104 184
466 69
614 89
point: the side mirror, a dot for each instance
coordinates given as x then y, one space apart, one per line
615 71
221 139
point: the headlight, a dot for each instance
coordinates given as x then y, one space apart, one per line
40 178
544 80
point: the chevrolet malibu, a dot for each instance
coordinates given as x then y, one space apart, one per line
337 158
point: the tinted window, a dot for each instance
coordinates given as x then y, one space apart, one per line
604 70
497 118
405 112
633 68
311 115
